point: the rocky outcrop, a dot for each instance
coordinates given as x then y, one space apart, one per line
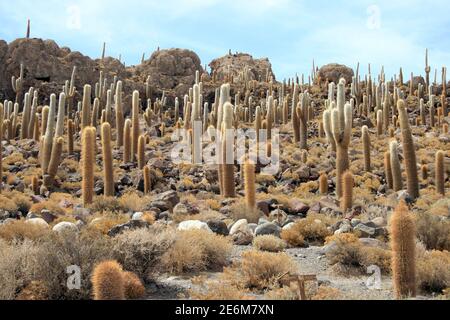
334 72
234 64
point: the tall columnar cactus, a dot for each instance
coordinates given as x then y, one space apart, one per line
249 185
86 107
379 123
424 171
388 170
88 163
108 108
127 141
48 138
55 161
403 252
294 117
409 152
135 125
61 114
422 111
328 129
147 180
395 166
227 152
70 134
95 111
440 172
347 197
17 84
108 281
69 90
366 148
224 97
25 116
141 152
108 171
34 185
33 118
342 134
303 116
45 112
120 121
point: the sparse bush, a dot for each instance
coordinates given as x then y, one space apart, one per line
433 272
36 290
239 210
134 289
103 204
327 293
216 290
313 229
20 230
196 250
269 243
433 231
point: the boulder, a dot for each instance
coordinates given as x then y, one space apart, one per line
268 229
240 225
334 72
193 225
243 238
219 227
130 225
38 222
63 227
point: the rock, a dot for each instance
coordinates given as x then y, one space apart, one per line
365 231
278 216
193 225
137 216
31 215
268 229
9 215
253 227
8 221
355 222
264 206
161 205
80 224
185 209
48 216
130 225
171 197
218 226
344 228
38 222
297 207
234 64
164 215
379 222
240 225
315 208
375 243
303 172
288 226
334 72
63 227
404 195
243 237
262 221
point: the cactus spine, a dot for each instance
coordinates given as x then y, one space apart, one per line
397 183
366 148
347 198
135 125
409 152
403 252
249 184
108 172
108 281
439 173
88 163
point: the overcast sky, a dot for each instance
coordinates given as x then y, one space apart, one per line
291 33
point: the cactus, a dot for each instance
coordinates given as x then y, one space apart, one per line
388 170
366 148
34 185
432 111
141 152
328 129
294 117
108 281
347 195
127 141
61 114
135 125
33 117
303 116
379 123
48 138
409 152
249 184
108 171
45 113
134 289
227 148
147 180
342 134
403 252
440 172
88 163
445 128
55 161
69 90
120 121
25 116
70 133
94 115
424 171
397 183
323 184
17 84
108 108
86 107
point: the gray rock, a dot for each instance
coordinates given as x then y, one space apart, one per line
130 225
253 226
240 225
193 225
38 222
365 230
379 222
170 197
137 216
355 222
32 215
278 216
268 229
48 216
297 207
375 243
218 226
288 226
63 227
243 237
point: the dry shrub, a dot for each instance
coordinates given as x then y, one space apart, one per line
18 264
239 210
20 230
433 231
216 290
7 204
307 230
202 216
21 201
287 293
348 254
327 293
140 250
269 243
261 270
50 205
36 290
103 204
213 204
133 202
197 250
134 289
433 271
107 221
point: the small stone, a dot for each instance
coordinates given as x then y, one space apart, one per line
38 222
288 226
170 196
297 207
365 230
48 216
355 222
268 229
279 216
63 227
31 215
137 216
243 238
219 227
240 225
130 225
253 226
193 225
264 206
379 222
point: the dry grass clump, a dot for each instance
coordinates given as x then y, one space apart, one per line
7 204
20 230
312 229
196 250
216 290
134 289
269 243
260 270
239 210
141 250
202 216
133 202
349 255
327 293
433 231
104 223
53 206
103 204
22 202
433 272
35 291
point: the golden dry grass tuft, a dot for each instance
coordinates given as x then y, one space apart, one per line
312 229
269 243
